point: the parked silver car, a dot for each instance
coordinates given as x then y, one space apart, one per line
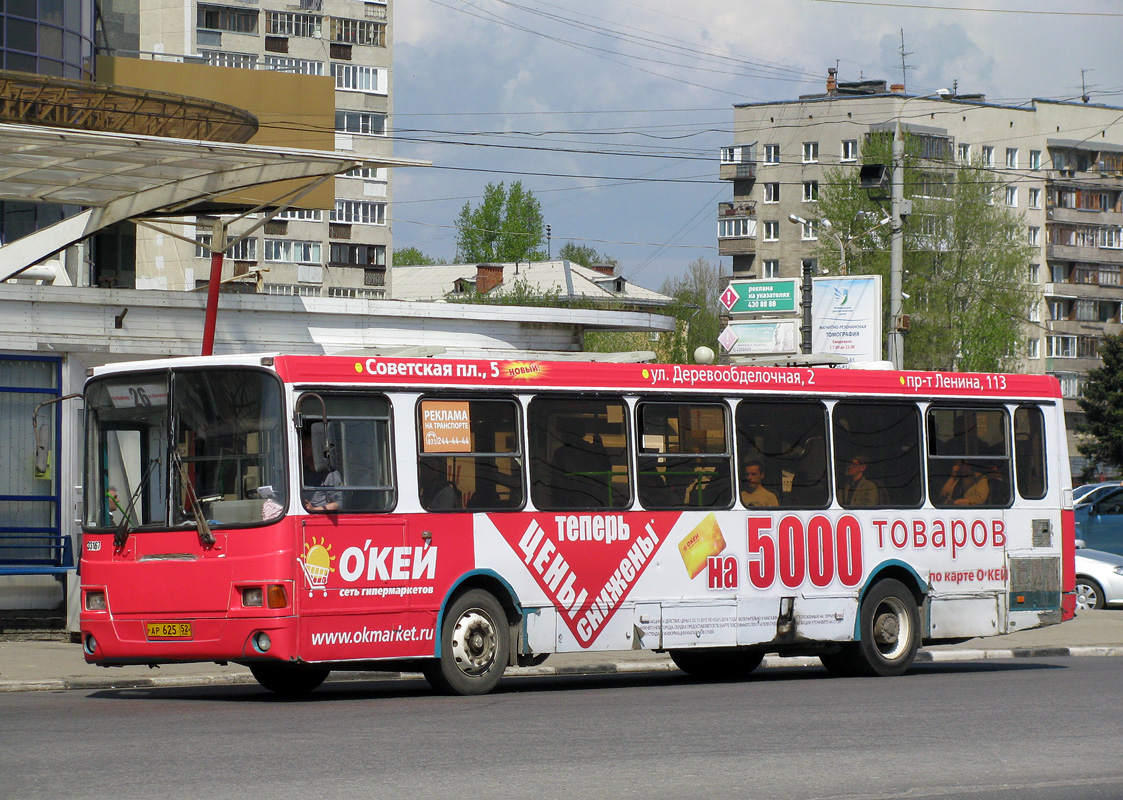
1099 579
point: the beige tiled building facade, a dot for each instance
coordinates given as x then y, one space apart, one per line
1061 164
340 251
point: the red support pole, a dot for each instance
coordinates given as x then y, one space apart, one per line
212 302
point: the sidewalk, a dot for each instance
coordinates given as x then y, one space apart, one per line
50 663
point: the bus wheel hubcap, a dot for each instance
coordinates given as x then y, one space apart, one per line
473 643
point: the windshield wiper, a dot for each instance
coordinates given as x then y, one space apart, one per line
205 535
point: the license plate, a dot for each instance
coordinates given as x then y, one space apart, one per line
169 630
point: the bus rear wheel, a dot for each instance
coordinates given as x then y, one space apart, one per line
717 664
475 643
890 631
288 680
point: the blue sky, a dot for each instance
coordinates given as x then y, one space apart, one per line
613 111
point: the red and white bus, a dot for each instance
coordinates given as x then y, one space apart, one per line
302 514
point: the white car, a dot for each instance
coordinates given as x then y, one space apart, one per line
1099 579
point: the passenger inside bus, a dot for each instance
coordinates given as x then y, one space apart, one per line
438 493
858 490
584 470
966 486
752 492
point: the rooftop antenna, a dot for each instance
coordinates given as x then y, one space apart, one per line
904 67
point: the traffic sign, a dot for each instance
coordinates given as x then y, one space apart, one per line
764 296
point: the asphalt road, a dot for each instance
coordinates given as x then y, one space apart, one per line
1031 729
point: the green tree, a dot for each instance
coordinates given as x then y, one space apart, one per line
584 255
506 226
966 259
1102 403
413 257
698 309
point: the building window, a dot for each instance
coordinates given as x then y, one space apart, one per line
281 23
301 215
358 255
1087 311
810 152
221 18
1058 273
809 230
297 66
1012 157
358 212
1035 198
737 154
736 228
772 154
1112 238
357 78
245 250
772 193
1012 196
1060 347
1033 348
810 191
771 230
964 151
1058 310
358 31
849 149
374 277
770 269
1034 273
360 122
1035 159
1034 236
988 156
291 251
224 58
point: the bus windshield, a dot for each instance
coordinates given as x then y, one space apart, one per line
160 442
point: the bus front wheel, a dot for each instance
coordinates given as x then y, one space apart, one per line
288 680
475 643
890 631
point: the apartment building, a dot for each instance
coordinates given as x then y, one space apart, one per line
343 251
1061 164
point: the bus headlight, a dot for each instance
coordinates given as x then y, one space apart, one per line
95 601
251 596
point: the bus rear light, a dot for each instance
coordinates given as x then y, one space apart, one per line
95 601
252 596
277 597
262 642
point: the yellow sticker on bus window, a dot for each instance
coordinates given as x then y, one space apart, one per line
445 426
701 543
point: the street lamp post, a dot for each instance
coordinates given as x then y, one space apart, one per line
806 289
898 208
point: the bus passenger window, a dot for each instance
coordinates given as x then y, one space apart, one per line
785 443
968 457
469 455
347 465
1029 452
578 453
685 459
877 455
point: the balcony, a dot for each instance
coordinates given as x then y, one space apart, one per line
737 171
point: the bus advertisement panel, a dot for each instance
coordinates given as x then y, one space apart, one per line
305 514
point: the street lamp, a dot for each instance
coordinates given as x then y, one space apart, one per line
897 237
843 244
805 290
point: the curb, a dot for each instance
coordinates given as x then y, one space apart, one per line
605 668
